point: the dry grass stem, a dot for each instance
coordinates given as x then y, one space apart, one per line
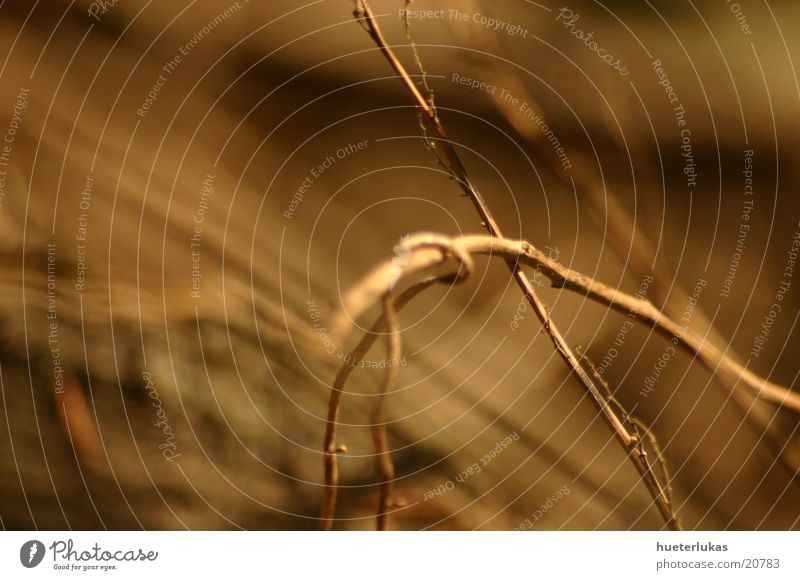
383 458
331 448
366 18
432 250
638 428
621 230
425 256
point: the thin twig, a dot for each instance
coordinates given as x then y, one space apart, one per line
383 458
331 449
642 310
638 428
431 250
366 17
601 202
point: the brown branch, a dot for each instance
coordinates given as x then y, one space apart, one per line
358 300
431 250
383 458
331 449
599 201
638 427
366 17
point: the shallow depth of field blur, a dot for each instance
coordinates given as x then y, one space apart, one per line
187 189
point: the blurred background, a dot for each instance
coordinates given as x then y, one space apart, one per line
188 188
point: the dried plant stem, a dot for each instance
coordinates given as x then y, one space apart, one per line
366 17
358 299
640 256
432 250
383 458
638 429
331 449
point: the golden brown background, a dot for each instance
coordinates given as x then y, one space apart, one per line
241 374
